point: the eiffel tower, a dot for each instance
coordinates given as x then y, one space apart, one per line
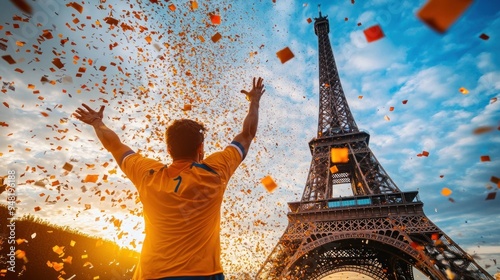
380 231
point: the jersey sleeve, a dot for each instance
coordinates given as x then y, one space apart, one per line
225 162
135 166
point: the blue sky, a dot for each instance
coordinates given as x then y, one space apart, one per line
412 62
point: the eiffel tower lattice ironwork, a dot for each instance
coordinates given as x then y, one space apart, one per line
380 231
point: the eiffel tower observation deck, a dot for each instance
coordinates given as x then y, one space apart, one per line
379 231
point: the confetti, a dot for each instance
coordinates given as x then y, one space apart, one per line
495 180
435 236
483 129
216 37
491 195
172 7
9 59
391 109
76 6
269 184
309 20
446 192
285 55
194 5
463 90
373 33
37 208
57 62
340 155
404 101
485 158
484 36
334 169
23 6
91 178
215 19
386 117
441 14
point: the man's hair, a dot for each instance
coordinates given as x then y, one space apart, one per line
183 138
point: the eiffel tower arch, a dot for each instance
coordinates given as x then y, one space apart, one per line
380 231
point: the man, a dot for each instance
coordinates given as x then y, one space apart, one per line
182 201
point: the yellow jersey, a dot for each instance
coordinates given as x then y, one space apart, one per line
181 206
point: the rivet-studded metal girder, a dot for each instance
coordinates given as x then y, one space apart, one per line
380 231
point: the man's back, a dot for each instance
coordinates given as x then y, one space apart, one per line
181 205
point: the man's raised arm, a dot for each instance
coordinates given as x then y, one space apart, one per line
108 138
251 121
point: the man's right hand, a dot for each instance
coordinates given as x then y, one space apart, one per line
244 138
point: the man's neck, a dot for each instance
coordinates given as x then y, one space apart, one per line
185 159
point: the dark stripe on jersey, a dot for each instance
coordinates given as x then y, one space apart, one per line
204 166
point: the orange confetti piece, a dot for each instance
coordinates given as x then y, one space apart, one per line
68 167
148 39
23 6
373 33
201 38
215 19
446 192
91 178
309 20
172 7
20 254
111 21
491 195
360 97
72 243
76 6
391 109
57 62
435 236
187 107
9 59
285 55
37 208
485 158
44 114
88 206
340 155
269 183
58 250
463 90
334 169
404 101
216 37
194 5
483 129
416 246
69 259
441 14
6 104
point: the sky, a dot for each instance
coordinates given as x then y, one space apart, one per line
158 59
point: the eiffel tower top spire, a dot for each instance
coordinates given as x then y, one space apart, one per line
335 117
